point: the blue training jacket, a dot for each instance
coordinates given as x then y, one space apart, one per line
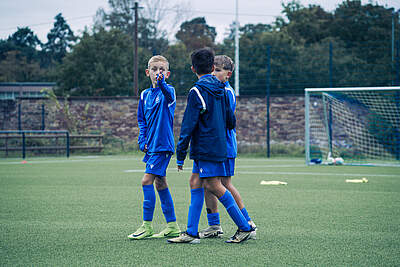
156 118
231 133
205 120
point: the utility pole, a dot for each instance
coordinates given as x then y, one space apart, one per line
237 49
135 58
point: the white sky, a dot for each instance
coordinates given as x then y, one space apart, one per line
39 14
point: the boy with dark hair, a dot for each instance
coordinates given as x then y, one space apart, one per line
156 138
223 71
204 124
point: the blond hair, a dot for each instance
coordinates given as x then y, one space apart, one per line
224 62
157 58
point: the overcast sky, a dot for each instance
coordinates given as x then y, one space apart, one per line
39 14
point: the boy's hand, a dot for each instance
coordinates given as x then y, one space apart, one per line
160 77
145 148
179 164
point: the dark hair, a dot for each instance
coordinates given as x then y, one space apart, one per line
203 60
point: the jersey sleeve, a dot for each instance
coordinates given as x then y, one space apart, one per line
168 92
190 119
142 124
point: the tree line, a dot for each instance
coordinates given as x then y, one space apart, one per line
354 45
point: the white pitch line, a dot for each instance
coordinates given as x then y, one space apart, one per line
271 166
67 161
321 174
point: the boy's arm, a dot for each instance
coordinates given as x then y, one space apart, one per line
230 115
189 122
167 90
142 125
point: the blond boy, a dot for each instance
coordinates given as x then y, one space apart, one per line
155 119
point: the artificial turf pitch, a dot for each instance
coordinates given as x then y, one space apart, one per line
79 211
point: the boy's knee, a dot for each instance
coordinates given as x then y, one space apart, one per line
226 181
161 183
195 181
147 179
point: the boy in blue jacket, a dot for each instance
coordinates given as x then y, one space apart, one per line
156 138
204 124
223 71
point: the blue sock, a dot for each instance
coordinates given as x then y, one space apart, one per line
196 205
213 218
233 210
167 205
149 202
245 214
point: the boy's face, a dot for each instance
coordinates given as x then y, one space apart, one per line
222 74
155 69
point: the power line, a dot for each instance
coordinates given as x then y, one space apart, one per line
46 23
167 9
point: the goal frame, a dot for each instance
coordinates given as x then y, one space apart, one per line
308 91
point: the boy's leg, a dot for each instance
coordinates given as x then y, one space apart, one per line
196 204
195 208
214 229
167 206
149 202
227 182
245 231
214 185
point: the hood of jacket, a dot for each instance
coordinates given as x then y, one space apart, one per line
211 84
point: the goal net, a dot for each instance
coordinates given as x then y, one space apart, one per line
359 125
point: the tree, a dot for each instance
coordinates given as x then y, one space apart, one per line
15 67
23 40
101 65
308 25
60 39
196 34
121 17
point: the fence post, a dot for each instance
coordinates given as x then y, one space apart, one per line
19 117
397 65
23 145
330 65
43 117
268 99
67 136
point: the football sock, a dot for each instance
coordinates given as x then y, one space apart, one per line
213 218
233 210
149 202
196 205
167 205
245 214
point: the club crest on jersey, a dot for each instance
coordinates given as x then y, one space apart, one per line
157 99
201 170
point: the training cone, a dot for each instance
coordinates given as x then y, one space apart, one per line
272 183
363 180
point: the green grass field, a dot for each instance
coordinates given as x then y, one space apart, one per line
79 211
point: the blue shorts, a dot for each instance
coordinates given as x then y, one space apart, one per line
207 169
157 163
230 166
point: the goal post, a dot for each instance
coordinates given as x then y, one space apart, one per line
360 125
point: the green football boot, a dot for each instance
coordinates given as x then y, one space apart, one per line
145 230
172 230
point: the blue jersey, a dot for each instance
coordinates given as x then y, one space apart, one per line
205 120
156 118
231 134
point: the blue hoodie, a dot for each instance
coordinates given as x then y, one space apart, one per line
156 118
204 123
231 133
